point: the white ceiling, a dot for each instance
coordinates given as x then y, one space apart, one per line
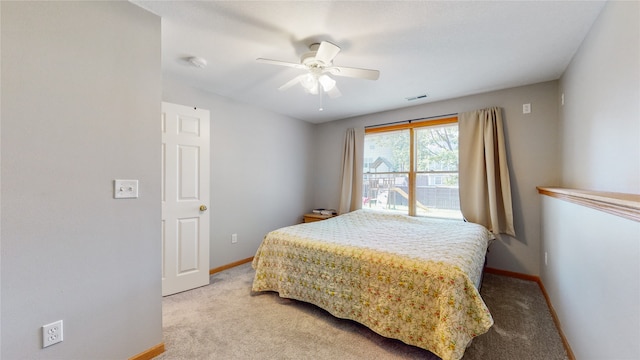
444 49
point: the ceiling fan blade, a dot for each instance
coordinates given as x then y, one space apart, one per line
281 63
354 72
326 52
290 83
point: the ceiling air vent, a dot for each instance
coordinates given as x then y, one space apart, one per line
416 97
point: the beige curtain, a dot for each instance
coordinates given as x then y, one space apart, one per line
485 189
351 191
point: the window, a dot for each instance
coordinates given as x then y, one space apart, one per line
413 168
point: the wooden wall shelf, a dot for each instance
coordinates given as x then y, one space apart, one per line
620 204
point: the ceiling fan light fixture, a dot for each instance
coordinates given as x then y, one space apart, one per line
310 83
327 82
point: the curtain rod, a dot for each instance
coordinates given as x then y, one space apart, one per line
411 120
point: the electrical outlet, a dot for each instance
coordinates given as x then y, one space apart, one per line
52 333
526 108
234 238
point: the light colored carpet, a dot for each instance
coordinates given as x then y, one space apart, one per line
224 320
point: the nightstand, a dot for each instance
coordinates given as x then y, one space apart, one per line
311 217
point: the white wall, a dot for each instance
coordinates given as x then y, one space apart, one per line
593 268
592 279
261 171
600 121
532 144
81 88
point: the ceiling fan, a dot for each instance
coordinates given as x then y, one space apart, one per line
319 64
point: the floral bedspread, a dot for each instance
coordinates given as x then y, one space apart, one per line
408 278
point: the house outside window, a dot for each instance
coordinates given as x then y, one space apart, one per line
413 169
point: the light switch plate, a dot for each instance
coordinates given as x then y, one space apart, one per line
125 189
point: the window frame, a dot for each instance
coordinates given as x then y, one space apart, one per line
411 126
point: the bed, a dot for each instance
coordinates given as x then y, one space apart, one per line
414 279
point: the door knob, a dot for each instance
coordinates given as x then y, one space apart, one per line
203 208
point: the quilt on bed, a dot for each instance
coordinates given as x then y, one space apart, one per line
408 278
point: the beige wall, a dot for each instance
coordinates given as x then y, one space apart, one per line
532 144
81 92
593 270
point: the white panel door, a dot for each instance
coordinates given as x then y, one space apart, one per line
185 198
